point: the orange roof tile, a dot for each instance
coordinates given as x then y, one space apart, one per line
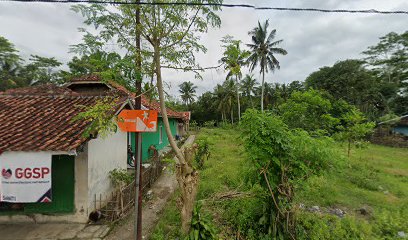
33 121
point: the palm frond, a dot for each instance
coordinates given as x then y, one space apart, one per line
271 36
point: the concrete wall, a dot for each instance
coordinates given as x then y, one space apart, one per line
104 155
81 185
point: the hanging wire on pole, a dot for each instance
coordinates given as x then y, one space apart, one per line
355 11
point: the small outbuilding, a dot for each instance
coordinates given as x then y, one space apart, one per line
50 170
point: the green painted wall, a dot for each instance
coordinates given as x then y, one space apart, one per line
149 139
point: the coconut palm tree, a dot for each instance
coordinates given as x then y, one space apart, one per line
229 96
233 59
224 99
263 53
219 103
248 86
187 90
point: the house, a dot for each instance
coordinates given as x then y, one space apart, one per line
59 173
401 127
178 121
398 125
393 132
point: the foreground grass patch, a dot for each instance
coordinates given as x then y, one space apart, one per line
374 178
222 172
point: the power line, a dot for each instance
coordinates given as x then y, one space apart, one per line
356 11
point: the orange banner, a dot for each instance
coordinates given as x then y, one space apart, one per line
138 120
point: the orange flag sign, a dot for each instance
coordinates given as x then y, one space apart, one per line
138 120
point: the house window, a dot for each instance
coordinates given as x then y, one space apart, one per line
161 135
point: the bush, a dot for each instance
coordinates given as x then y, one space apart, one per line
245 215
282 159
329 227
120 177
209 124
203 152
201 227
226 125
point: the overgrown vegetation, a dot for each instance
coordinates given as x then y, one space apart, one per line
203 152
121 177
370 187
100 117
201 227
281 160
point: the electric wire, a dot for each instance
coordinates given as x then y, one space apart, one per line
356 11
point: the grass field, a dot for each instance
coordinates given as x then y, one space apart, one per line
374 178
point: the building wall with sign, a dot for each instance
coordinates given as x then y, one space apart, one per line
158 139
76 180
66 193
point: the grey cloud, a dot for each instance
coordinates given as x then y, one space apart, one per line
312 40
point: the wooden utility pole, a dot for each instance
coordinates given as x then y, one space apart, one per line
138 106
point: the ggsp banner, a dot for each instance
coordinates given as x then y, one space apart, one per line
25 177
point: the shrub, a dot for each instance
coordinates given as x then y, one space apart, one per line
120 177
209 124
201 227
329 227
203 152
282 159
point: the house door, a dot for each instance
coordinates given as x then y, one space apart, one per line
63 187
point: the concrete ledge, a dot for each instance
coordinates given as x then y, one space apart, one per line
43 218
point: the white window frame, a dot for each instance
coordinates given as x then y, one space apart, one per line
160 134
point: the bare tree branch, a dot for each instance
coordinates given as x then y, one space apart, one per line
192 68
185 32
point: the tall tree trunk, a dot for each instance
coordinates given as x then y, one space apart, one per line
187 177
172 142
232 116
239 104
262 90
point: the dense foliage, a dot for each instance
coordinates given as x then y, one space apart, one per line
308 110
282 159
377 85
100 116
15 72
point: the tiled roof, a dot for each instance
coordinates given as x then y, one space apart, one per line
148 103
41 90
154 105
40 118
42 123
87 78
151 104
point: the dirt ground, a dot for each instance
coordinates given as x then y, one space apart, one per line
161 191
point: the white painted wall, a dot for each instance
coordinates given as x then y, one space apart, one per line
104 155
81 184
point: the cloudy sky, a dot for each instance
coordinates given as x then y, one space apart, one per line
312 39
